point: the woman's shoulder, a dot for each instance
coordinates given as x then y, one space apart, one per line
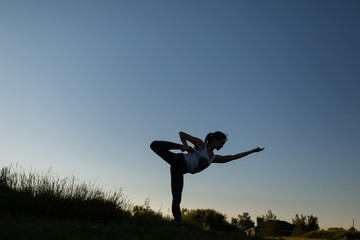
200 145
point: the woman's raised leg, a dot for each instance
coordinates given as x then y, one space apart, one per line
162 148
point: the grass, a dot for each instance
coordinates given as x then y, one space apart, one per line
321 235
293 238
29 228
42 206
47 196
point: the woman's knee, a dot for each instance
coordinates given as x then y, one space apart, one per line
154 145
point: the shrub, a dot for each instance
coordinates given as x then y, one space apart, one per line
209 219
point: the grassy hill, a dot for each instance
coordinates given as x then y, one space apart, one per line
42 206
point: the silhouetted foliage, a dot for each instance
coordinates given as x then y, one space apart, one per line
333 234
270 226
312 223
300 225
243 222
208 219
45 196
144 214
270 216
305 224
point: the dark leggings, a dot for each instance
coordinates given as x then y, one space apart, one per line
177 169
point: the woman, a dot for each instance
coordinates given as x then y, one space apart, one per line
197 158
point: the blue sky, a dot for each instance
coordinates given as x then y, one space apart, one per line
85 86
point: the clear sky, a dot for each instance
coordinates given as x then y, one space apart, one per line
85 86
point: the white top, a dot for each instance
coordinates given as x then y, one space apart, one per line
198 160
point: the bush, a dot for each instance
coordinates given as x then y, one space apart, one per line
208 219
145 214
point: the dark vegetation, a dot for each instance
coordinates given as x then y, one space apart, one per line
43 206
333 234
45 196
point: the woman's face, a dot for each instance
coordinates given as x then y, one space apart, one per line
218 144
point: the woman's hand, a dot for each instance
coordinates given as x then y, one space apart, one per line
187 148
257 149
197 142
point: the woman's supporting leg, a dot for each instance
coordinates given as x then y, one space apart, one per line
177 169
177 183
162 148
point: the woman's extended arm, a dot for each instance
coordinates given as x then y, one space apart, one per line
228 158
197 142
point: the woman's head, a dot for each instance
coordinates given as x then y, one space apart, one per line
218 139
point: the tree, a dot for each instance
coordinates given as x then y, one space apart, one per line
300 224
269 225
260 221
312 223
243 222
305 224
270 216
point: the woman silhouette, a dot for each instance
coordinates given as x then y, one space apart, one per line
197 158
